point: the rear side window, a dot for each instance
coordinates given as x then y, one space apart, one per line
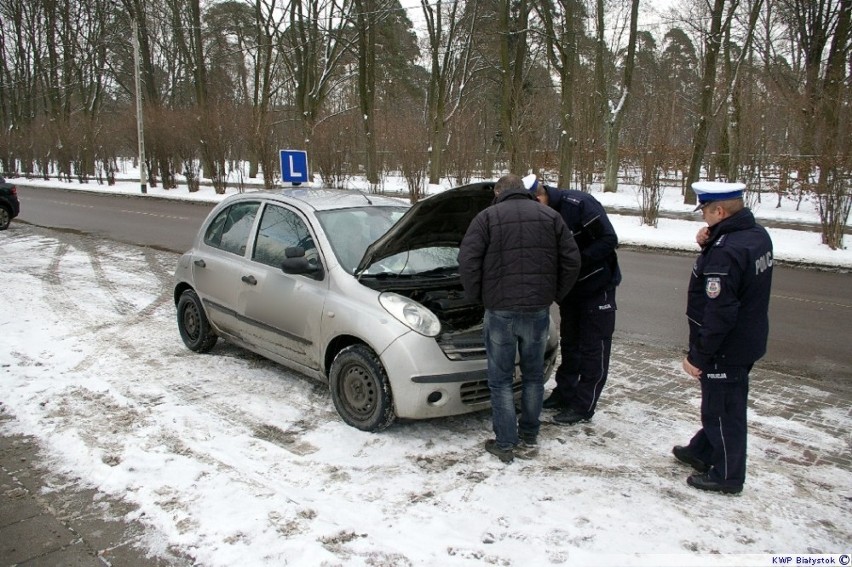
231 228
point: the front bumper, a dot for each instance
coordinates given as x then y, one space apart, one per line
425 384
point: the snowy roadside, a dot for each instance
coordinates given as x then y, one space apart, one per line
784 218
233 460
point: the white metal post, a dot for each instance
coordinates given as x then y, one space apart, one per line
140 122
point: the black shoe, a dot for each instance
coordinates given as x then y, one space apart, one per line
528 438
570 417
683 455
526 451
704 482
505 455
554 401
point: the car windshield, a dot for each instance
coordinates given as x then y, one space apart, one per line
425 262
351 231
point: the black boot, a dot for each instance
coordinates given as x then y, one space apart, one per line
571 416
554 401
704 482
683 455
505 455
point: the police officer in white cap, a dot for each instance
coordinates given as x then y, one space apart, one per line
727 310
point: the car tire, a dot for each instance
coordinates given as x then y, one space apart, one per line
360 389
5 218
194 327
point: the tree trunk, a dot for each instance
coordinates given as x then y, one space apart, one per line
601 96
262 94
513 20
436 96
311 57
566 134
708 85
617 113
833 191
367 84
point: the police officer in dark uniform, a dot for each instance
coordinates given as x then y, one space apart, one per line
728 313
587 313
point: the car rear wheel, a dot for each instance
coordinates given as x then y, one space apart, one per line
5 218
194 327
360 389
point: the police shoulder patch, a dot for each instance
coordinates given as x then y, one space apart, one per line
713 287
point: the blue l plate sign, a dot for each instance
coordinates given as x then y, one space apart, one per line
294 166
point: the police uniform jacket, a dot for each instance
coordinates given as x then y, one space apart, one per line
517 255
595 237
728 297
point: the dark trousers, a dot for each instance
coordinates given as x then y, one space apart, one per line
585 329
721 441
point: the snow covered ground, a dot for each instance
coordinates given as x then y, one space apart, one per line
233 460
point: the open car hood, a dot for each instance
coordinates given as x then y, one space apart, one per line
439 220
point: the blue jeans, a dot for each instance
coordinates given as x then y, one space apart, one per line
508 333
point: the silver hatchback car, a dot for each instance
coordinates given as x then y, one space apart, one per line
359 291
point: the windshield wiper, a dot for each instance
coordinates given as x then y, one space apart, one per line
388 275
442 271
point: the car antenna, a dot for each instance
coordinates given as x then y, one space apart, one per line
369 202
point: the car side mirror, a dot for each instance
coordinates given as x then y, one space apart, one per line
296 263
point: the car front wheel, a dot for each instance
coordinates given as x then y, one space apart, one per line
360 389
194 327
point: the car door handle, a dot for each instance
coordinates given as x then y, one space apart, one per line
249 280
200 263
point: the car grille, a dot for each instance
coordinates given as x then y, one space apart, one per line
466 345
473 393
477 392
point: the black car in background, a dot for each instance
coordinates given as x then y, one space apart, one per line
9 206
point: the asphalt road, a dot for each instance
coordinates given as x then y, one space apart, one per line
165 224
810 310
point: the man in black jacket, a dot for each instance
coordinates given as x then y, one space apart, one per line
516 258
587 313
728 313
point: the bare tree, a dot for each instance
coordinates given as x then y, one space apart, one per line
720 24
814 23
243 60
617 110
451 66
409 152
562 22
835 160
367 16
312 48
512 27
159 161
21 49
336 136
263 88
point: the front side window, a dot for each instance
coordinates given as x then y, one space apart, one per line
231 228
281 228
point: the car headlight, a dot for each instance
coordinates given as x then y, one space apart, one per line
411 314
